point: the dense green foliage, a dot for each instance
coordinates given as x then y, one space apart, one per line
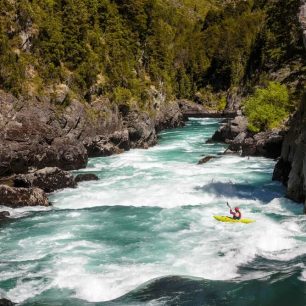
268 107
121 48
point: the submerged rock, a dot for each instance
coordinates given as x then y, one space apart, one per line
205 160
4 215
5 302
20 197
48 179
86 177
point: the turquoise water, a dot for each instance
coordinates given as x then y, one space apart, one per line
144 233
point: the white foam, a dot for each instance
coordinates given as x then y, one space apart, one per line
180 240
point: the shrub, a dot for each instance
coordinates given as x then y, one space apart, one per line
268 107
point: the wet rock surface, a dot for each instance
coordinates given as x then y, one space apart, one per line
235 133
86 177
205 159
20 197
48 179
291 167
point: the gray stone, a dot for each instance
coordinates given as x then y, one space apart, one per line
20 197
48 179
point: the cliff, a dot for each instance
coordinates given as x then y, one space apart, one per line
36 133
291 167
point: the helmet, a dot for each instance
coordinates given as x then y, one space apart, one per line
236 208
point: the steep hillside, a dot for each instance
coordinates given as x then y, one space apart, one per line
120 48
75 72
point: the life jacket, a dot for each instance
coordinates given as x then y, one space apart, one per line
237 217
234 215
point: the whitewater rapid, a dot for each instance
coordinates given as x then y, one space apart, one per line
150 216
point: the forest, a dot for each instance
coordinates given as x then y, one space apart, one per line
121 48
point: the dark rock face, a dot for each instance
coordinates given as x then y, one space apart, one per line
281 171
291 167
33 135
205 160
37 133
19 197
104 145
235 133
48 179
267 144
86 177
230 129
170 116
141 129
5 302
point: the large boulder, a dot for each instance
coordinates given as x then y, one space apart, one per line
48 179
141 129
106 145
266 144
235 133
169 116
20 197
231 129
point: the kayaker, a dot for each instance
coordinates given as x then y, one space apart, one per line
236 213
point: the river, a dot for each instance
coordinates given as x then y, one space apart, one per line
144 233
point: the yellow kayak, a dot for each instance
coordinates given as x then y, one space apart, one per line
231 220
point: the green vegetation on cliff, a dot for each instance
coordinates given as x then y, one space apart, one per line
121 48
268 107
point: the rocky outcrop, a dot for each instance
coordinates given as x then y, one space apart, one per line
48 179
169 116
141 129
230 129
106 145
84 177
291 167
235 133
20 197
55 131
32 134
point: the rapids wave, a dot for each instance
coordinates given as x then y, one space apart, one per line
144 233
